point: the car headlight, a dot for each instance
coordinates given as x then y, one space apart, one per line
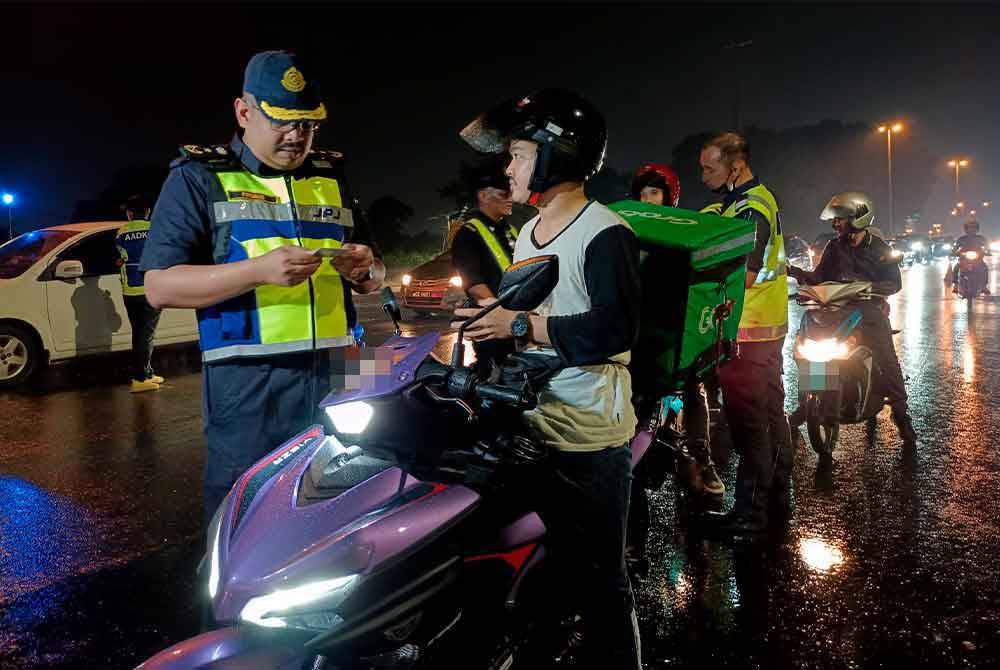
821 351
277 609
917 246
351 417
456 281
407 279
971 255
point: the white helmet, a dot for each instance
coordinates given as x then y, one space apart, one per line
852 205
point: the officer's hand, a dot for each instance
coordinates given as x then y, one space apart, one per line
355 264
287 265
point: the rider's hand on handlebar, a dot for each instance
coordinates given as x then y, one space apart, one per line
493 326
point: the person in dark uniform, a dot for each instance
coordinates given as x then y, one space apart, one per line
143 318
259 237
483 246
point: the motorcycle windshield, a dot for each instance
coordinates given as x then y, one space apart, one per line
833 292
383 370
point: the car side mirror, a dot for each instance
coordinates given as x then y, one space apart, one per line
68 270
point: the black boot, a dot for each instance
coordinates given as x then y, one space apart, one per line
905 426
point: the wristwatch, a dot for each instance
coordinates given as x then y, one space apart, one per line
520 325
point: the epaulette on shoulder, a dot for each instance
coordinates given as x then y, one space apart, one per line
326 158
214 156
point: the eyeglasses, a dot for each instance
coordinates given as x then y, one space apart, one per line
303 126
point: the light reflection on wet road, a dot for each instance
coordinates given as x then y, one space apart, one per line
890 558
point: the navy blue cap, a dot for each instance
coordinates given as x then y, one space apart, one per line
284 89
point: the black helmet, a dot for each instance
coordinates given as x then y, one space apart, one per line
571 134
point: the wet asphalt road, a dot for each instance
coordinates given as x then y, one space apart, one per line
890 558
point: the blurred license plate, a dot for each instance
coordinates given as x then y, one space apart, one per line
426 294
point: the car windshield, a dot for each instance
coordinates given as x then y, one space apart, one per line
24 250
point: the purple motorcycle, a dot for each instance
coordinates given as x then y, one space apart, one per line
382 545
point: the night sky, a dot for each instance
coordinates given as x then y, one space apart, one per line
89 91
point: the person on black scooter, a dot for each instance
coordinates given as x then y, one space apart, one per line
972 241
857 255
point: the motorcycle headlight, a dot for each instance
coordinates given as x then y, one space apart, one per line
214 529
821 351
351 417
971 255
917 246
278 608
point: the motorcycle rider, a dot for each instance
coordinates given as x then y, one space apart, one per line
857 255
557 140
971 241
659 184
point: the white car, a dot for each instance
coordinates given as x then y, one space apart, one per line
61 297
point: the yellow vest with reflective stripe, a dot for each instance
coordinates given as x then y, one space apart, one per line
259 215
499 253
130 240
765 305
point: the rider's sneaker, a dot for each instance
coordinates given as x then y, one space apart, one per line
711 483
144 385
157 379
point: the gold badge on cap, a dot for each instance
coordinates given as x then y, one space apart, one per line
293 80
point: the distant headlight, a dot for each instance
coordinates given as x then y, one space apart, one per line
351 417
821 351
946 247
995 246
407 279
971 255
456 281
896 253
277 609
917 246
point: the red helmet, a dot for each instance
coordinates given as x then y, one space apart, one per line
659 175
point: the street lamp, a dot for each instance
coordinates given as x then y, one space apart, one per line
958 163
8 199
889 129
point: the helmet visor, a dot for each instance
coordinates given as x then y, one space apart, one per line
832 211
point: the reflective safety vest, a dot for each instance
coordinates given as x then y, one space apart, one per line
130 240
259 215
491 242
765 305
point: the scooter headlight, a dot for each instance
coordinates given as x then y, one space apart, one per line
352 417
971 255
821 351
278 608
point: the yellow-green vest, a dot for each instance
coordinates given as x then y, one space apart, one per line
259 215
491 242
130 240
765 305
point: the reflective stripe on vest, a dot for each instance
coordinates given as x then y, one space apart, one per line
765 305
259 215
499 254
130 240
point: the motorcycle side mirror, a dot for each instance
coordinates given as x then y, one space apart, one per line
523 288
526 284
391 307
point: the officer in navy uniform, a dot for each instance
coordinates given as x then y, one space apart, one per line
483 247
259 237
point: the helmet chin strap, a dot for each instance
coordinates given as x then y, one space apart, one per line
540 174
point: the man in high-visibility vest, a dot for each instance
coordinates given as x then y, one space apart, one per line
142 317
752 386
259 237
483 247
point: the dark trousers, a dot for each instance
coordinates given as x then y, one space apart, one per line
143 318
583 498
877 333
250 408
754 397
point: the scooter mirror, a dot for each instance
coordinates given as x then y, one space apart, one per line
526 284
391 307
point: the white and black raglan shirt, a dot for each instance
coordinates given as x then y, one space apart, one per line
593 321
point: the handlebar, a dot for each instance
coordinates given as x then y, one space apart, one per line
505 394
463 383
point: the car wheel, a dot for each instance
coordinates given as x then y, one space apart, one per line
19 355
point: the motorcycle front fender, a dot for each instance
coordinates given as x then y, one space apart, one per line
225 645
